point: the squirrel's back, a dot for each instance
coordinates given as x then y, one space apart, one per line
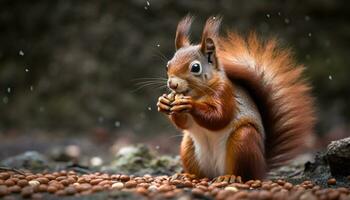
275 82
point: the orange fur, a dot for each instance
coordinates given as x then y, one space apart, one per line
181 38
273 80
210 112
180 120
215 111
245 152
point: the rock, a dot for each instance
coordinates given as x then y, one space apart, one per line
293 171
140 160
317 170
321 169
338 156
31 160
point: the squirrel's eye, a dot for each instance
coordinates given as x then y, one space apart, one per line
196 67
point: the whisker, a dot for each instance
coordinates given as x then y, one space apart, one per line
163 59
160 54
175 136
149 84
210 88
198 88
145 82
162 86
149 78
202 90
145 85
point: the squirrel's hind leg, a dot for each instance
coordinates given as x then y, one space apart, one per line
187 154
245 153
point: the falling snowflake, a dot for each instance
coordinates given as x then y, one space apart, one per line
157 147
286 20
26 70
149 108
117 123
330 77
158 45
268 15
148 4
5 100
8 90
31 88
41 109
309 34
21 53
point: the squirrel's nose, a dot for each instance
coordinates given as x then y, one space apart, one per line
172 85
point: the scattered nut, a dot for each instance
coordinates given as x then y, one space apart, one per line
131 184
331 181
27 192
34 183
118 185
65 183
3 190
231 188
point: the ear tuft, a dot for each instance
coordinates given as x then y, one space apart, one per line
182 32
211 29
209 36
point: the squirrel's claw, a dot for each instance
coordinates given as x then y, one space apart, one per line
228 179
164 104
181 108
163 108
164 100
172 103
181 104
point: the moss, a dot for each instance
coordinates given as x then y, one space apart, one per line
140 159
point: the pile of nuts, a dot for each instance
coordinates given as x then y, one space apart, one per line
65 183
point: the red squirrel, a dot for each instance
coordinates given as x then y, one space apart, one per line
241 103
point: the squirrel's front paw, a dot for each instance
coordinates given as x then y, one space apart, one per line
181 104
164 104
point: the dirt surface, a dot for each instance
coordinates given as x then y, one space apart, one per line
72 185
137 172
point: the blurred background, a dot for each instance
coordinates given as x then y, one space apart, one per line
70 70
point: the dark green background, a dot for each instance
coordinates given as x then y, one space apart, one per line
83 56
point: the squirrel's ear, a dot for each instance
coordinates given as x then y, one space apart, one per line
209 36
183 29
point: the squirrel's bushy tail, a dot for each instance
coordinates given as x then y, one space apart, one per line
275 82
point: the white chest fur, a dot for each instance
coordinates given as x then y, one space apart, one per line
210 148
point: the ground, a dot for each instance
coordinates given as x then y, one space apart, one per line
138 172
